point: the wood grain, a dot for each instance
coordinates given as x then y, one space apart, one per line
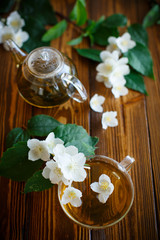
38 216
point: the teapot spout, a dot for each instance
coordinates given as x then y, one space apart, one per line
17 53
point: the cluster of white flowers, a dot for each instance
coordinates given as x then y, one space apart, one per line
114 67
63 164
11 28
108 118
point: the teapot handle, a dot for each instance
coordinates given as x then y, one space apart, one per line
80 95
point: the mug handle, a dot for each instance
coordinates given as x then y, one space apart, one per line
80 95
127 163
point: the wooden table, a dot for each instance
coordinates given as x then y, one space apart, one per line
38 216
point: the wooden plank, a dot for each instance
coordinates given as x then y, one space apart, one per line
44 217
12 205
130 137
153 115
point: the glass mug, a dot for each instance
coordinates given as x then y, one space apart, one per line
46 77
92 213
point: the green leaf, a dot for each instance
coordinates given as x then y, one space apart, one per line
92 26
79 13
35 21
41 125
89 53
102 34
135 82
152 16
71 134
100 21
6 6
75 41
35 8
158 22
115 20
91 29
16 135
15 164
35 29
140 59
91 39
138 34
55 32
37 183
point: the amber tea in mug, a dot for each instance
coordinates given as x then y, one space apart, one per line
92 213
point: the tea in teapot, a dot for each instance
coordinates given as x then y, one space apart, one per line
46 77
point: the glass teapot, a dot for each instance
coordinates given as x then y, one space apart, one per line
46 77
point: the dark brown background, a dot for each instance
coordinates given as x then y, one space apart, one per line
38 215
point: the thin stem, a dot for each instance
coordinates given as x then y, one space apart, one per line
68 20
17 5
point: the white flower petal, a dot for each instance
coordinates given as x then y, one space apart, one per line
119 90
33 155
6 33
104 178
103 197
73 167
95 103
112 40
72 195
20 37
95 187
52 142
15 21
63 160
110 189
32 143
107 67
71 150
76 202
104 187
109 120
50 164
117 76
70 162
58 141
106 54
113 45
38 150
79 175
101 78
79 159
59 149
126 36
46 172
116 82
55 175
50 137
122 61
125 43
44 154
1 25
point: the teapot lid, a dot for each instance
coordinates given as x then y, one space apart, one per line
44 62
